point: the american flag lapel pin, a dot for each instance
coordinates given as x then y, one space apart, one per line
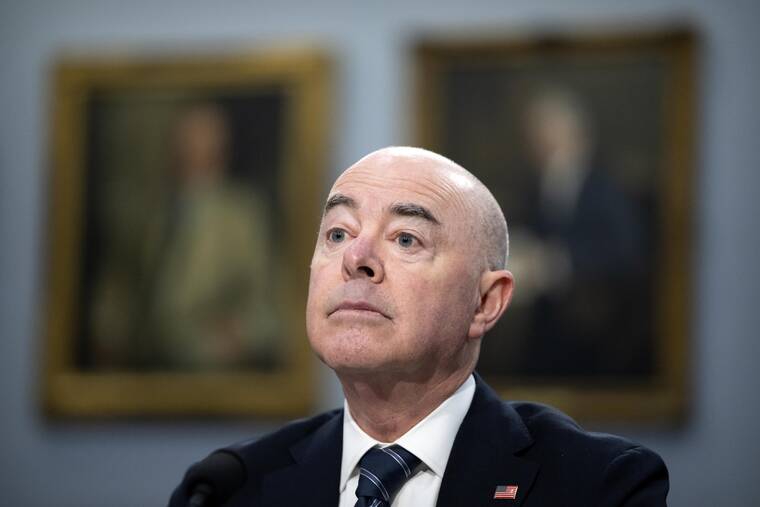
505 492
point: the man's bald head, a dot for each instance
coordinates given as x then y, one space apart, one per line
487 222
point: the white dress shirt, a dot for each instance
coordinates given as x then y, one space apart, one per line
430 440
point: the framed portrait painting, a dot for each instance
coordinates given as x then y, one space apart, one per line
586 142
184 198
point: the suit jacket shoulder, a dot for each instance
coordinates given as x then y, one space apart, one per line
273 451
554 433
303 455
548 457
599 468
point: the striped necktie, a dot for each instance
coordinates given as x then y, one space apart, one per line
382 472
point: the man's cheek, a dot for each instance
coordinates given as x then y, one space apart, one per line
319 275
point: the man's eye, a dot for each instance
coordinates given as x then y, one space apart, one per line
406 240
336 235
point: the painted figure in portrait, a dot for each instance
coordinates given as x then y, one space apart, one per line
183 280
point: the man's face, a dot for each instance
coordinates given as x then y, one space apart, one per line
393 284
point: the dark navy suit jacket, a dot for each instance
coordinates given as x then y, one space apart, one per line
550 459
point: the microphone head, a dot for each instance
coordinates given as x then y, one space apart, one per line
220 474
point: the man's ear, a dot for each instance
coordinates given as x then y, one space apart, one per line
495 295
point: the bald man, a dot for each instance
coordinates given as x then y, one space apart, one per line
408 274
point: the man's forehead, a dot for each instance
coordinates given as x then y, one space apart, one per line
404 179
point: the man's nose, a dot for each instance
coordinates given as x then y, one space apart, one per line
361 259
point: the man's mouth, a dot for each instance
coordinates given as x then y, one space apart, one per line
358 306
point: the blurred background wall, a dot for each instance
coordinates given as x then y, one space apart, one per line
713 458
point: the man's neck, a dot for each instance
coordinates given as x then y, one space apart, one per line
386 409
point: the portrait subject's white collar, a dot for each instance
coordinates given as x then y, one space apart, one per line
430 439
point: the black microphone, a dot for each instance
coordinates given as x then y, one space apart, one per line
212 481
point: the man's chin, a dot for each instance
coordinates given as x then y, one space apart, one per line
360 348
355 366
351 364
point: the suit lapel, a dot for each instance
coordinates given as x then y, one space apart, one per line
315 475
484 455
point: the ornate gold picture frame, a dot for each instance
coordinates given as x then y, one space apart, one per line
587 143
185 195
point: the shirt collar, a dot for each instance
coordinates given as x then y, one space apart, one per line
431 439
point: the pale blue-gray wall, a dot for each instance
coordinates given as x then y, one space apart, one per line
714 459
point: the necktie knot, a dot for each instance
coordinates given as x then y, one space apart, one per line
382 472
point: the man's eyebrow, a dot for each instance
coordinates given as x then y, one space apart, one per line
409 209
339 200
